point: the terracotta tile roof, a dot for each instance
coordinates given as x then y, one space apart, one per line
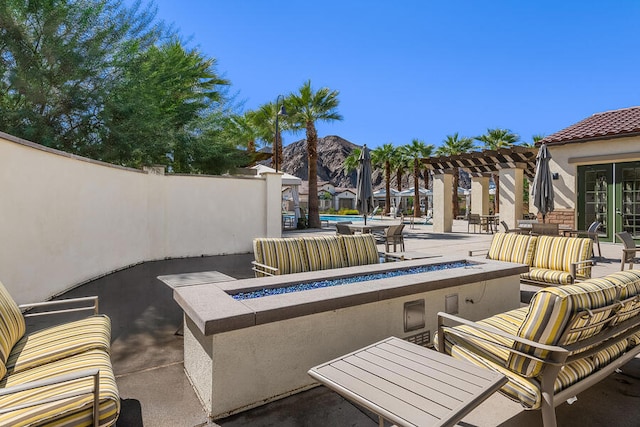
609 124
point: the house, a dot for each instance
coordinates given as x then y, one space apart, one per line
330 196
596 172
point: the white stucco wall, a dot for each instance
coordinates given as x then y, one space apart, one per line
65 220
566 159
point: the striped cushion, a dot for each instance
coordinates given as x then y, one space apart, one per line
527 390
12 326
508 322
634 339
547 276
628 283
57 342
323 252
73 411
285 254
513 247
557 253
550 311
359 249
604 357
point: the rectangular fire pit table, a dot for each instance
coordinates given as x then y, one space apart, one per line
407 384
242 353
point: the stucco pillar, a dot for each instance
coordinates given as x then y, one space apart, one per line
442 202
480 195
273 208
511 195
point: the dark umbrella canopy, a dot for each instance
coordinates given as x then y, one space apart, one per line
542 189
364 187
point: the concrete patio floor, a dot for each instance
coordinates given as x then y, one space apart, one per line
147 353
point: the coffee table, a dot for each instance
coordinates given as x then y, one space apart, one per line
407 384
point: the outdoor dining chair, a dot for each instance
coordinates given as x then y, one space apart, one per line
545 229
629 251
474 219
592 233
393 235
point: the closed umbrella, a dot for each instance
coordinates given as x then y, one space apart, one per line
364 187
542 189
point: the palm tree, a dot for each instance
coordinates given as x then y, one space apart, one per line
306 107
242 130
264 122
382 157
495 139
351 161
415 151
454 145
399 163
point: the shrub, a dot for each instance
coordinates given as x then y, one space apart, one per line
348 212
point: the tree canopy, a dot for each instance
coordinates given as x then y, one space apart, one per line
107 81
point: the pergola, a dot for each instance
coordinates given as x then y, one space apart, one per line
511 165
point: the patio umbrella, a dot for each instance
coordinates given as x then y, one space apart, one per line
542 189
364 188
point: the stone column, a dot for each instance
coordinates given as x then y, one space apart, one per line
273 204
480 195
511 195
442 202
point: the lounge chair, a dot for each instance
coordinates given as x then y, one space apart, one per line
629 251
343 228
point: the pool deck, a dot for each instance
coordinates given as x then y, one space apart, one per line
147 352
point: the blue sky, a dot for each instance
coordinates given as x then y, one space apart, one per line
425 69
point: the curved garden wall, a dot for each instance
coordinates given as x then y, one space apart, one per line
65 219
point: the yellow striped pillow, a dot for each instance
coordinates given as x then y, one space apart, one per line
359 249
323 252
550 311
287 255
12 326
557 253
511 247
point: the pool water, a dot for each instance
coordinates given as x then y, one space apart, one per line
346 280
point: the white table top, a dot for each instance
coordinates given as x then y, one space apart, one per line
407 384
197 278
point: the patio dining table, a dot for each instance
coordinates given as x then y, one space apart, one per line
368 228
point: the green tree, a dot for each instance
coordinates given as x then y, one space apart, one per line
58 63
495 139
454 145
305 108
416 151
149 115
382 157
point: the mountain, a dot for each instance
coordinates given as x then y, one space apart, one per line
332 151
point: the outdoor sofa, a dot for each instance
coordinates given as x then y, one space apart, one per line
567 339
60 375
552 260
286 255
